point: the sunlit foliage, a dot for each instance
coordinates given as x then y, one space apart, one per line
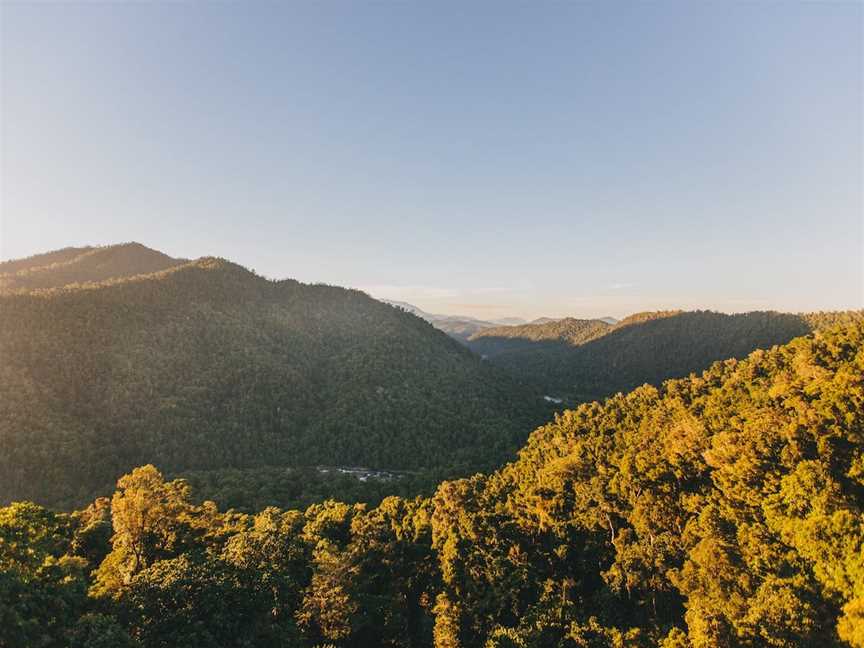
717 511
206 366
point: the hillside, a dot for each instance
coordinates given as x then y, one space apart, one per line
82 265
206 365
723 509
54 257
719 510
569 331
582 360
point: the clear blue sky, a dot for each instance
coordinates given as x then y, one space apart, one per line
481 158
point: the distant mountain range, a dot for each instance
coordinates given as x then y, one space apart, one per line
462 327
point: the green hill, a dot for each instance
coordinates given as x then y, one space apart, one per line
205 365
720 510
491 342
583 360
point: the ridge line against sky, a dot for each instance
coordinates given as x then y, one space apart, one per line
490 159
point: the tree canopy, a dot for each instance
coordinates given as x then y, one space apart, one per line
207 366
719 510
583 360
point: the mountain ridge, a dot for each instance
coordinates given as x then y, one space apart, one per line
207 365
571 360
82 265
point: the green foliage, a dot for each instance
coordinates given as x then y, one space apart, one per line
254 489
95 630
730 503
42 588
583 360
493 341
206 366
722 510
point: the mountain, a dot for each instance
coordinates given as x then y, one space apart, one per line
492 342
544 320
720 510
582 360
41 260
414 310
460 329
205 365
82 265
463 328
456 326
509 321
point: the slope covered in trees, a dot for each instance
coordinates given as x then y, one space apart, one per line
583 360
65 255
206 365
82 265
569 331
716 511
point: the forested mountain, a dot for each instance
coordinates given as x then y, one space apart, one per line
41 260
569 331
82 265
206 365
583 360
716 511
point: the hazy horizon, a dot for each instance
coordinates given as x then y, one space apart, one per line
485 160
488 313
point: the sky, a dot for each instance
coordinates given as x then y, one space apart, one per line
485 158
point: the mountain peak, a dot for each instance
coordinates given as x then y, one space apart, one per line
84 265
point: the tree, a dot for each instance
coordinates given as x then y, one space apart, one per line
150 521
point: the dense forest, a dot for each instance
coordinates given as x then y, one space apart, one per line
583 360
120 356
570 331
715 511
205 365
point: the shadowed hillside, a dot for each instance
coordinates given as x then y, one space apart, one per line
206 365
583 360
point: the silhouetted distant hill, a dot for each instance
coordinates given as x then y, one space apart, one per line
82 265
41 260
